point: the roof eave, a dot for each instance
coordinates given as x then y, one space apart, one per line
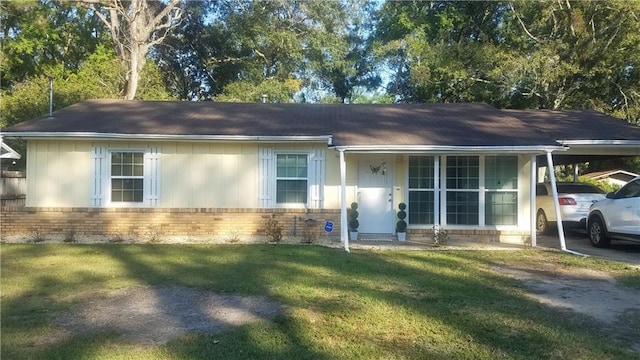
596 143
440 149
29 135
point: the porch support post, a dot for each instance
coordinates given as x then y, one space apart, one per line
556 204
436 192
344 226
532 199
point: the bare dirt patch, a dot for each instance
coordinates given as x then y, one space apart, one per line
592 293
155 315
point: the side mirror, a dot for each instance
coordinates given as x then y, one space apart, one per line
611 195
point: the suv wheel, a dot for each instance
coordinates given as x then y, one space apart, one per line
542 225
598 233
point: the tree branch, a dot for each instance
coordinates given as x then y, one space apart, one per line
524 27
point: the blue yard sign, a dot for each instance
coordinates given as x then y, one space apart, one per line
328 226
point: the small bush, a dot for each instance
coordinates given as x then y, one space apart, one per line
37 235
274 229
440 236
401 225
70 237
308 234
353 217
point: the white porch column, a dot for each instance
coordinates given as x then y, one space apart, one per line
344 226
556 204
532 199
436 191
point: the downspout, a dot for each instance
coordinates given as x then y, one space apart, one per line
556 205
532 199
344 231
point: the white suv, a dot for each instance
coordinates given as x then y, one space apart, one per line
616 217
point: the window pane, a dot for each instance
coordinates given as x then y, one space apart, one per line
127 190
463 172
291 191
421 207
462 208
291 166
421 172
501 208
501 172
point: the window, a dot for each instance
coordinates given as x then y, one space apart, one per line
291 178
127 177
463 183
501 184
421 191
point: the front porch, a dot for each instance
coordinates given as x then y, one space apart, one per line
463 239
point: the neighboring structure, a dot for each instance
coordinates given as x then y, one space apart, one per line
7 153
13 185
613 177
205 168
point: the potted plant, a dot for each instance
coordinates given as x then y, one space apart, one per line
353 221
401 225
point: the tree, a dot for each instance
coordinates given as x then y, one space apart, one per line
135 27
517 54
580 54
200 56
100 76
37 35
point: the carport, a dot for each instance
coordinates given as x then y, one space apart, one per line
586 136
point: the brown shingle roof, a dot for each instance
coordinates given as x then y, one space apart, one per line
577 124
350 125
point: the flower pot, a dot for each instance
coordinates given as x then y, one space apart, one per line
402 236
353 235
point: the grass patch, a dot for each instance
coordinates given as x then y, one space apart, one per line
366 304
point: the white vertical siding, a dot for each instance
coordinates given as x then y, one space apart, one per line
181 174
210 175
59 173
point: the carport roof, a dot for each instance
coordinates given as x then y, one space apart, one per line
576 125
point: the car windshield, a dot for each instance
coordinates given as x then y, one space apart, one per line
579 189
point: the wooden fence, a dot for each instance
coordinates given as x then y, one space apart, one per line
13 188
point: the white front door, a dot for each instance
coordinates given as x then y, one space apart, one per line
375 194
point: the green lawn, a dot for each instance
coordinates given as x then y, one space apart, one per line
362 305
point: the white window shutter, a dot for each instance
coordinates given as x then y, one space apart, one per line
152 176
266 177
316 179
99 176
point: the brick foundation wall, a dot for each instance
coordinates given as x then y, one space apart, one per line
163 225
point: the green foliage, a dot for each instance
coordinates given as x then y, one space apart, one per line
401 225
523 54
604 185
37 35
100 76
245 91
352 214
